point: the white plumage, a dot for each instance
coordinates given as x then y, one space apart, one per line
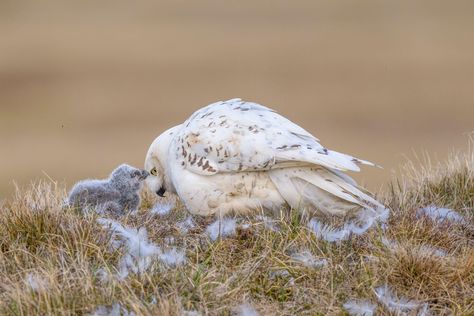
359 308
238 156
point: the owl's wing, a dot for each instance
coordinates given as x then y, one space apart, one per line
235 135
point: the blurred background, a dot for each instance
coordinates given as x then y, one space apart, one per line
86 85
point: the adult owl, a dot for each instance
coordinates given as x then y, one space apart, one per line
237 156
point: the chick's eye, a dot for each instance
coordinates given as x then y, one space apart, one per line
153 172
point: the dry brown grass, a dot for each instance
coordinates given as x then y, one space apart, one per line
67 250
86 85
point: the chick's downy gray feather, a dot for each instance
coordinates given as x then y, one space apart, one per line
114 195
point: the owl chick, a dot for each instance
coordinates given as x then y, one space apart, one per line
118 193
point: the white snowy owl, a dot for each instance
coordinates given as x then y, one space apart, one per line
239 157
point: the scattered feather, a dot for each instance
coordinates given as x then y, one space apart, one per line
185 225
103 275
359 308
424 311
365 219
105 311
162 208
173 257
383 214
245 226
279 273
308 259
390 244
36 283
136 240
129 264
392 302
169 240
282 274
371 258
114 310
441 214
191 313
422 250
327 232
139 251
223 228
268 223
359 229
429 250
246 310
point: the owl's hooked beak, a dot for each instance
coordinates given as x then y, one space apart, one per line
161 192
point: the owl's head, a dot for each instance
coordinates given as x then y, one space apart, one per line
156 163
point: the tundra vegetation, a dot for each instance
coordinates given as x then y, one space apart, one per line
56 260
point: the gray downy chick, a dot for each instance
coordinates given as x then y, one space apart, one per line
115 195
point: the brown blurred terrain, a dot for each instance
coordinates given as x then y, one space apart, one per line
86 85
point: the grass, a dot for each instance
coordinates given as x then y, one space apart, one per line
53 259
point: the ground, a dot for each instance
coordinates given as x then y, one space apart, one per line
55 260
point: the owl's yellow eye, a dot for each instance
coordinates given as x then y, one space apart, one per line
153 171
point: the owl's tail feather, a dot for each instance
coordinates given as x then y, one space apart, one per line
321 190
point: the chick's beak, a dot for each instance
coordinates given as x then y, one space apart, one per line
161 192
144 175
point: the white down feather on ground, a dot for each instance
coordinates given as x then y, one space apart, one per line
139 251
